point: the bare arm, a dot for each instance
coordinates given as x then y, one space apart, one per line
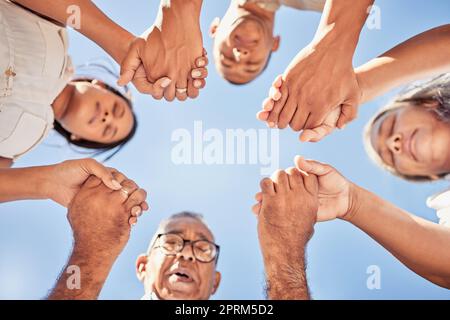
422 56
94 24
286 274
23 183
59 182
99 218
307 81
421 245
93 272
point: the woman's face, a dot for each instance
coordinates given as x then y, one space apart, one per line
413 141
96 114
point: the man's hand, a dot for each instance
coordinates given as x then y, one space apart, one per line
321 78
64 180
170 49
101 218
307 135
288 206
317 82
286 214
336 195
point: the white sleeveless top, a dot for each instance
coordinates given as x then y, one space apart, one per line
34 69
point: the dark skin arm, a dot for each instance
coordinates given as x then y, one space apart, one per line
99 218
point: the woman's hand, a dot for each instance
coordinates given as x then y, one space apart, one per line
336 194
308 135
64 180
133 70
170 48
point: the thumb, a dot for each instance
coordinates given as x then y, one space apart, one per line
101 172
310 166
129 67
348 114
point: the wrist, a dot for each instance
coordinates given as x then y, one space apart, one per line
363 75
178 13
356 202
289 247
45 182
88 256
124 40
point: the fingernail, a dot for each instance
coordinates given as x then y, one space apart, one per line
166 82
137 212
196 74
271 124
197 84
116 184
277 95
201 63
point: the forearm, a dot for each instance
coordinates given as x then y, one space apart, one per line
341 23
24 183
422 56
88 283
94 24
421 245
285 274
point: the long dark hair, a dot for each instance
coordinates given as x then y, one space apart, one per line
100 148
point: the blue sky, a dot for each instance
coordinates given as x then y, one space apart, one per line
35 238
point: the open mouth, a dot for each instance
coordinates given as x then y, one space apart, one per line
181 275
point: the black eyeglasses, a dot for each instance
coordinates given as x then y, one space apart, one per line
203 250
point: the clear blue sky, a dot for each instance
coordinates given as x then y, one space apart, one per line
35 238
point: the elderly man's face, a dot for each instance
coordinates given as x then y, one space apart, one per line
180 276
242 47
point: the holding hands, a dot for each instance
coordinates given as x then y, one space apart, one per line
101 218
318 92
168 60
336 196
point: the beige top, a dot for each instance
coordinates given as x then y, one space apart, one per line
274 5
34 69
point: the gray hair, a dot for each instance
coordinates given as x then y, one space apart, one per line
184 214
434 92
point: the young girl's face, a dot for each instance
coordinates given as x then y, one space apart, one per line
97 114
413 141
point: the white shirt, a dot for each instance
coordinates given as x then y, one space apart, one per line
274 5
34 69
150 296
441 203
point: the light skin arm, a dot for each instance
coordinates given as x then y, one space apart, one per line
402 64
114 39
59 182
307 85
422 56
419 244
95 25
23 183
